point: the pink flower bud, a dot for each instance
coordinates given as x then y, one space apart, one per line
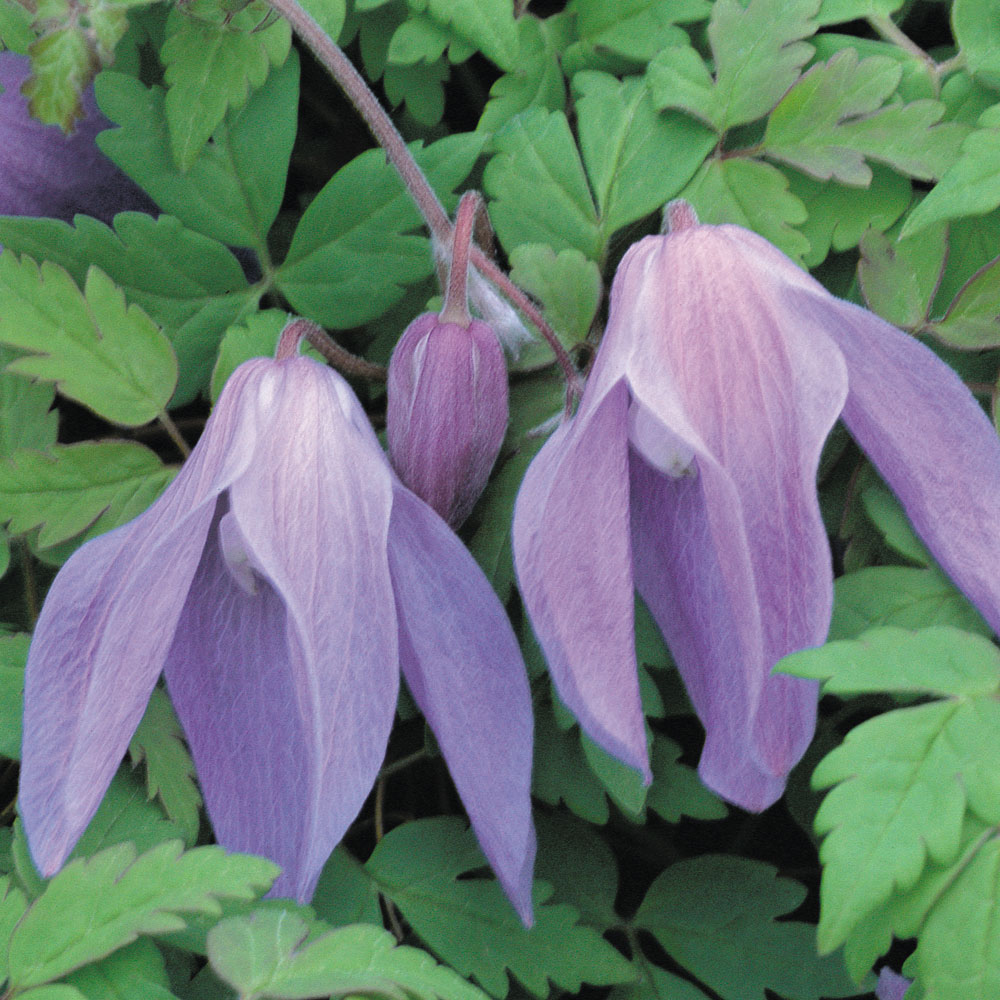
447 411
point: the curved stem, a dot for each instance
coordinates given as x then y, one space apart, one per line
167 423
350 364
456 299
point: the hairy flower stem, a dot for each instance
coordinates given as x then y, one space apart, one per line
388 137
300 329
456 300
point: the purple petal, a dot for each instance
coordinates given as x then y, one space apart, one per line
465 670
313 514
103 635
891 985
734 563
45 172
574 569
929 439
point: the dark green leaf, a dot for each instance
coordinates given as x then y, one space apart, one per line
345 893
136 972
973 319
13 656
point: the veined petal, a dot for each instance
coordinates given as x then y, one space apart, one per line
464 668
734 564
929 439
574 568
313 510
104 632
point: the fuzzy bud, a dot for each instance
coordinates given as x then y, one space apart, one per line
447 411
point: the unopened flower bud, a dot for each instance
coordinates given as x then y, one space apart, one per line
447 411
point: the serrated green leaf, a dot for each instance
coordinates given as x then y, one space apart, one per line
750 194
233 190
941 660
159 741
898 278
654 983
839 11
636 159
418 39
470 924
110 357
833 118
353 251
677 790
190 284
62 65
538 186
903 782
977 30
27 419
125 896
715 915
900 595
624 784
635 29
71 487
345 893
212 67
757 51
136 971
13 903
973 318
971 186
330 15
421 87
272 954
13 656
488 24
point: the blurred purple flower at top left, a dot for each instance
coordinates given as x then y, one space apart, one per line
280 583
44 172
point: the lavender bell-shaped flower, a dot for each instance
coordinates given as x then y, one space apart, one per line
447 395
48 173
689 474
280 583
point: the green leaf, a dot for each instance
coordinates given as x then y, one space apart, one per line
971 186
539 186
715 915
233 190
62 65
351 256
421 86
211 68
938 660
55 991
624 784
750 194
977 30
345 893
470 924
15 26
13 903
110 357
27 419
418 39
13 656
636 159
904 781
898 278
189 284
488 24
830 121
72 487
635 29
272 954
330 15
900 595
757 52
123 897
159 741
677 790
886 513
839 11
973 318
135 971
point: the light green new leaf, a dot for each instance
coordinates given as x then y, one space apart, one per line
72 486
939 660
973 318
539 188
136 972
110 357
830 121
354 249
233 190
470 924
13 656
971 186
715 915
750 194
159 741
270 953
757 51
27 419
96 905
977 30
903 783
62 65
488 24
636 159
212 67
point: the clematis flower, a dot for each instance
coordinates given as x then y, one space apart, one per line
891 985
280 583
688 474
45 172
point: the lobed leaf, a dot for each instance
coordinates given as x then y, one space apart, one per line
977 32
135 971
635 29
973 318
488 24
62 65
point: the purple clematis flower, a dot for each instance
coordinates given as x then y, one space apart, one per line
689 474
280 583
45 172
891 985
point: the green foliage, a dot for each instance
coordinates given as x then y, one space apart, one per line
488 24
471 926
977 31
137 970
13 655
98 351
124 896
972 321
